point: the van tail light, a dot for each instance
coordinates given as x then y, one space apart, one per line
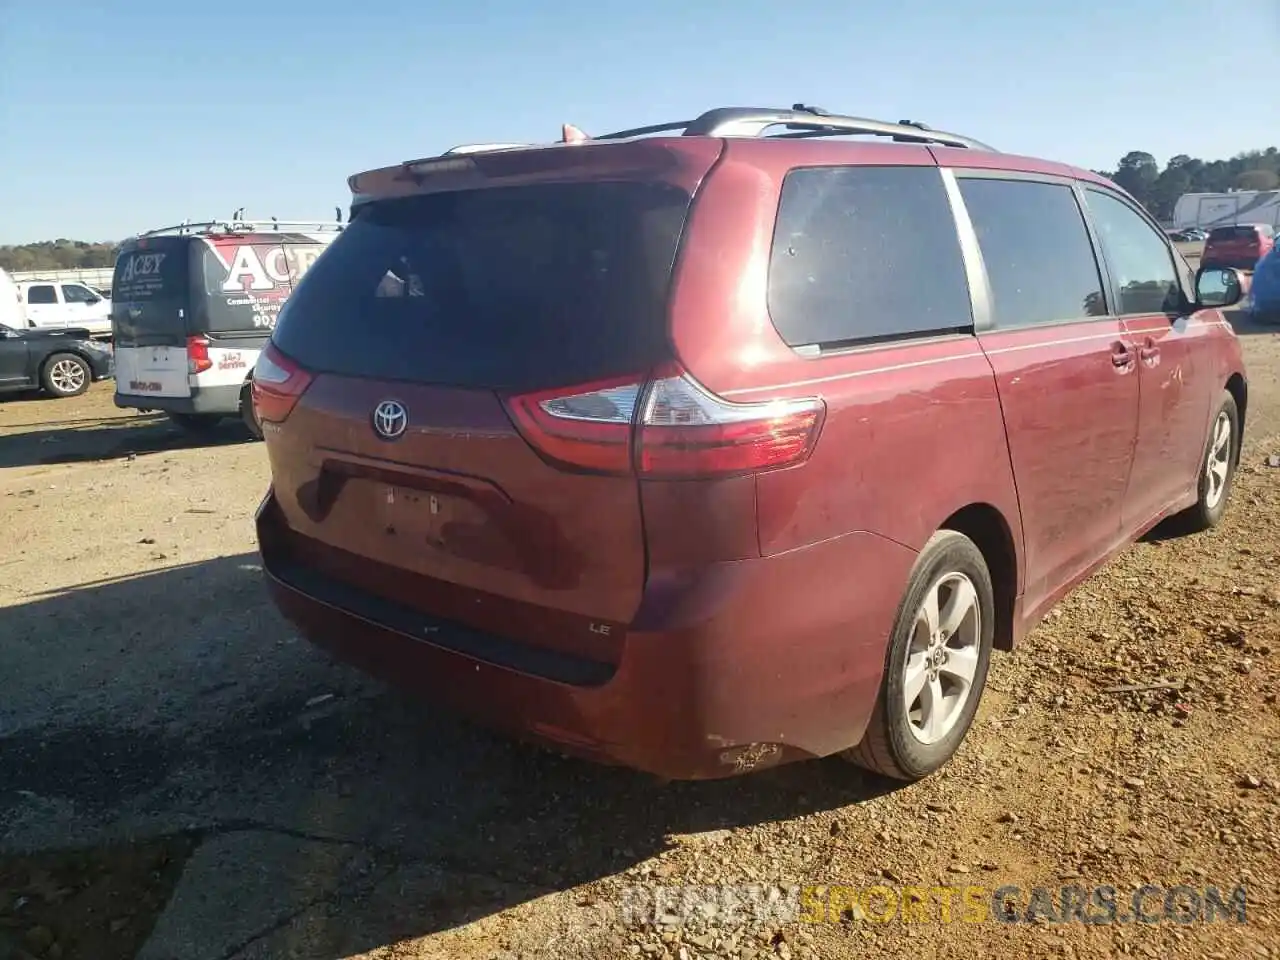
198 355
686 431
586 427
278 382
670 427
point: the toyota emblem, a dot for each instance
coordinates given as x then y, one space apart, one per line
390 419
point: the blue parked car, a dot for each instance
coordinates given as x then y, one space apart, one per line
1264 293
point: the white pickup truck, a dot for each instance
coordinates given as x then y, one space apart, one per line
52 305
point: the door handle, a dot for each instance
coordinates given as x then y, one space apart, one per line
1121 355
1150 353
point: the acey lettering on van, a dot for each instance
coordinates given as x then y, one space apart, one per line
263 267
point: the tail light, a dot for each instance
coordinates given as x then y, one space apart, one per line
670 427
278 382
198 355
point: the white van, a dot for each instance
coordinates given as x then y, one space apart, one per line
12 312
193 306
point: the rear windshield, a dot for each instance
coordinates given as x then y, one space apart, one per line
247 280
149 288
510 287
1234 233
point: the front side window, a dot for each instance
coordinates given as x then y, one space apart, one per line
865 253
1038 255
1140 262
74 293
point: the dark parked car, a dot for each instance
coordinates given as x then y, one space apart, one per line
62 362
700 449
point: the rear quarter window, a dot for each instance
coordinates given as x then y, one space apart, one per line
865 254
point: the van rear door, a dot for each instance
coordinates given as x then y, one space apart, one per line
150 309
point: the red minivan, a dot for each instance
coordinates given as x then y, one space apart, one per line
1240 247
708 446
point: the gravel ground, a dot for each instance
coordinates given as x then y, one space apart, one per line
166 740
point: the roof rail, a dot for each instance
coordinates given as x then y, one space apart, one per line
244 226
483 148
801 121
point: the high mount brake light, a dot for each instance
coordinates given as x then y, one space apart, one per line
670 427
278 383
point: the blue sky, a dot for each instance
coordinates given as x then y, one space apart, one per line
122 117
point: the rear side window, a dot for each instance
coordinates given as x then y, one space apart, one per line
865 253
1036 248
509 287
42 294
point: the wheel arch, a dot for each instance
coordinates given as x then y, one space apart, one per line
1238 387
987 527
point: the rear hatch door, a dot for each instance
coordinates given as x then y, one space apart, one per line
548 270
1233 243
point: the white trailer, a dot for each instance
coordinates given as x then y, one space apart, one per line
1209 210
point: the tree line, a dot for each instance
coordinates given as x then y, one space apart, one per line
58 255
1137 172
1158 190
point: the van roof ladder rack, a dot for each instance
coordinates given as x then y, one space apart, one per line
801 121
244 226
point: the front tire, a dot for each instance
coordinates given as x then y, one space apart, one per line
1217 467
66 375
936 665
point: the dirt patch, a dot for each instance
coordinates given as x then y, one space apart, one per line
95 904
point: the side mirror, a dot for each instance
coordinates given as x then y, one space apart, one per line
1217 288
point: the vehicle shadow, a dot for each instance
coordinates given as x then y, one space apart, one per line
179 701
1246 325
99 439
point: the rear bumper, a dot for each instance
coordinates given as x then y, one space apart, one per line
221 400
728 669
1228 261
102 367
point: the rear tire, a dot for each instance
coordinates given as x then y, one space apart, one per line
1217 468
247 414
66 375
936 665
197 424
